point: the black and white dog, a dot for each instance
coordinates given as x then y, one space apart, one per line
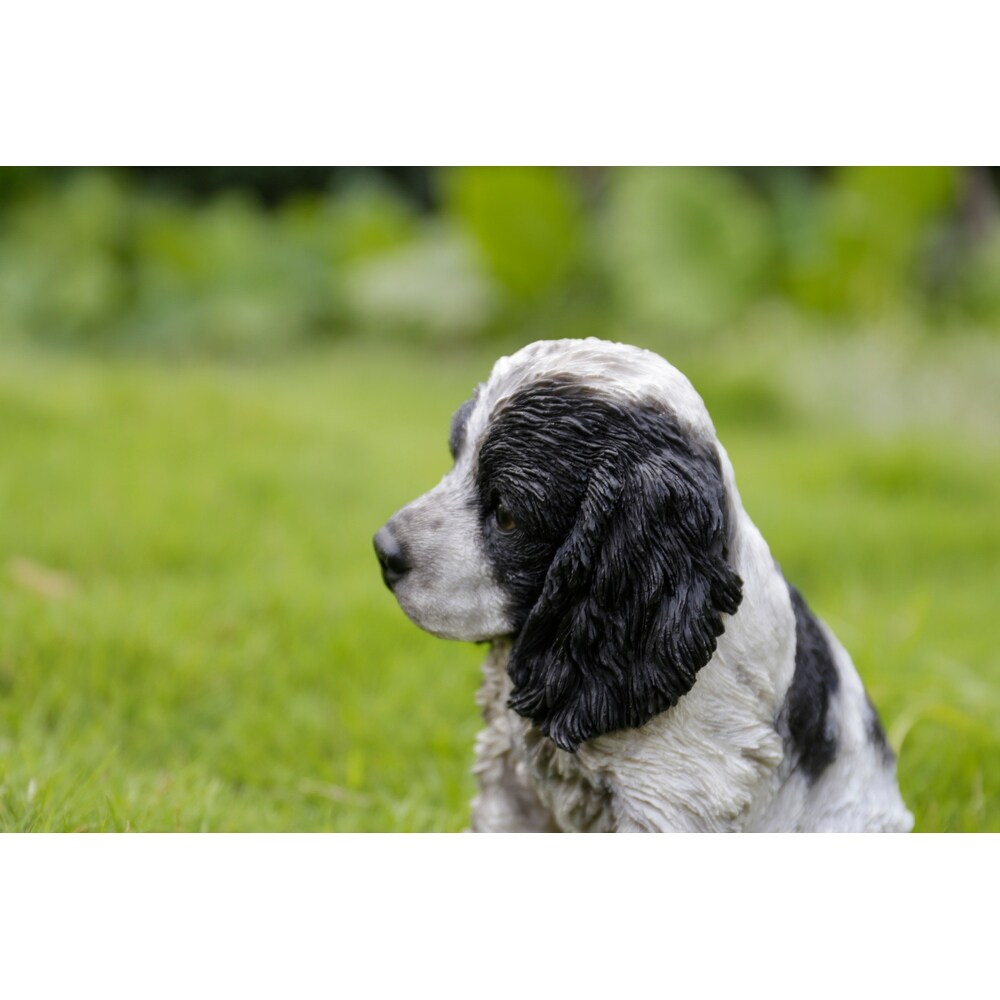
649 666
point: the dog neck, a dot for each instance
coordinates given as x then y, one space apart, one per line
705 764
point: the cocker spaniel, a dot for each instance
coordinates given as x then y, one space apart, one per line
649 666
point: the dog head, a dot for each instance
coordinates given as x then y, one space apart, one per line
586 517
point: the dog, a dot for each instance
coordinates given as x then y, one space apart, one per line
649 667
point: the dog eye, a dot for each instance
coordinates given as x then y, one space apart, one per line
504 518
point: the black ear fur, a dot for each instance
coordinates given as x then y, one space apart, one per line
632 602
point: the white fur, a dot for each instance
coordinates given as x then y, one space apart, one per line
716 760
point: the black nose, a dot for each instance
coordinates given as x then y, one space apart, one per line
391 556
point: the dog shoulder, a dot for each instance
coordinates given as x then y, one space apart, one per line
840 772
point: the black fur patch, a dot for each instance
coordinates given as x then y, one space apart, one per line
456 435
807 704
876 734
616 564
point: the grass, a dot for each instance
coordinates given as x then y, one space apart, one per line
194 636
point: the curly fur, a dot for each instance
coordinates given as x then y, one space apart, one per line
650 668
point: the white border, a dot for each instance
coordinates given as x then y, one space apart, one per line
525 81
451 915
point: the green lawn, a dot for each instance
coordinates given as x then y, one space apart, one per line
194 635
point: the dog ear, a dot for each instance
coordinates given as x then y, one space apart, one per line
632 603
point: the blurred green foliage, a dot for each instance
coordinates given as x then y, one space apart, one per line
862 238
111 260
686 248
526 221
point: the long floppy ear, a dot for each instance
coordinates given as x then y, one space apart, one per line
633 601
